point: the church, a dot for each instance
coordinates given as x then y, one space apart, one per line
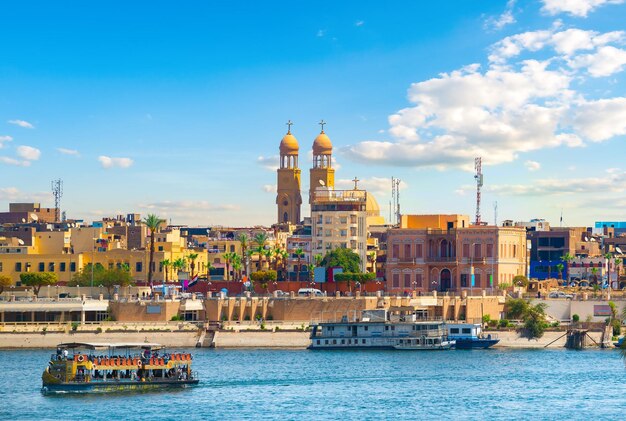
339 218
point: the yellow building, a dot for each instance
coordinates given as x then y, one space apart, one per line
288 196
322 174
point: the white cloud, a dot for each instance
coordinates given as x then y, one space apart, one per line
605 62
532 165
22 123
12 161
578 8
28 152
110 162
185 210
269 162
65 151
506 18
508 108
269 188
13 193
321 33
359 23
5 139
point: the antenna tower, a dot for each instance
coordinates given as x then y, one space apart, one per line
479 183
495 213
57 192
395 198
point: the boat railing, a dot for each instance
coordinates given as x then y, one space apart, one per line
429 333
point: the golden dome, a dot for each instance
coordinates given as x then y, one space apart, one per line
322 145
371 205
289 145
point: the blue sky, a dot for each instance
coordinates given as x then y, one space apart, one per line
178 108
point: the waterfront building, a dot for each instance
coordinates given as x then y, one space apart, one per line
339 220
446 253
294 243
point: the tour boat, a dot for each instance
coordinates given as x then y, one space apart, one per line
107 367
470 336
382 329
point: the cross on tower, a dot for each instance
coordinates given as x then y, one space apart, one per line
355 181
289 124
322 123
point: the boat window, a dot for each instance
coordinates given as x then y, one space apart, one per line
393 328
366 327
386 327
363 341
467 330
318 341
326 342
334 341
454 330
343 341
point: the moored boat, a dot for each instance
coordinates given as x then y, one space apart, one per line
106 367
400 329
470 336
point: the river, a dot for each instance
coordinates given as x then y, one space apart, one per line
372 385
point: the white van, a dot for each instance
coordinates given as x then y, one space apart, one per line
310 292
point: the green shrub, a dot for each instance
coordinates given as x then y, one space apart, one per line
262 326
247 318
504 323
74 326
555 324
486 318
493 323
617 327
176 318
257 317
575 318
99 330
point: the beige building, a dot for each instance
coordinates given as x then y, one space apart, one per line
443 257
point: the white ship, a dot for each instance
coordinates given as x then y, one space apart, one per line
401 329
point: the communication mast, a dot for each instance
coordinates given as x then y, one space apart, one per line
395 198
479 183
57 192
495 213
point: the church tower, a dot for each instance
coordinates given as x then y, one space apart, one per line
322 174
288 199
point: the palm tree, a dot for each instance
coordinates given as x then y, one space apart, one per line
267 253
165 264
560 268
192 262
260 240
299 254
311 268
237 265
152 222
372 257
228 259
278 254
179 265
594 273
568 259
244 240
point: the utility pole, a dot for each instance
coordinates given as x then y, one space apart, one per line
57 192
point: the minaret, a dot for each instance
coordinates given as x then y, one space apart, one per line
322 173
288 199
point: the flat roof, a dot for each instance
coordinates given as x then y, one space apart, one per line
98 345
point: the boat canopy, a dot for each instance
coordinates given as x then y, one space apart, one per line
104 345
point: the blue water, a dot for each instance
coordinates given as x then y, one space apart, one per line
372 385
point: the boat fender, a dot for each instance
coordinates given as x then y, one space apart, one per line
139 364
81 358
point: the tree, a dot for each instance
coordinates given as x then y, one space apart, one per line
264 277
192 262
118 276
166 263
559 268
152 222
84 276
350 277
244 240
520 281
594 275
311 269
299 255
568 259
5 282
237 265
372 258
260 241
535 320
179 265
344 258
37 280
516 308
228 259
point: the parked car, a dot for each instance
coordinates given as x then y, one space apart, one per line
560 294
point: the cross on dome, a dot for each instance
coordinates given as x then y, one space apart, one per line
322 123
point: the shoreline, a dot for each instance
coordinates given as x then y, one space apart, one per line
234 339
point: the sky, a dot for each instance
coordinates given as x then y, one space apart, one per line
178 108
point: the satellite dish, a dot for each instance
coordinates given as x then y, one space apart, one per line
593 239
23 220
322 183
21 242
619 250
586 239
34 217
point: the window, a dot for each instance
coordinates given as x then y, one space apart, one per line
138 267
18 267
489 250
418 280
395 251
73 267
343 219
160 248
42 266
477 251
51 267
464 280
454 330
1 267
62 267
466 330
407 251
396 280
477 280
343 233
466 249
318 341
418 250
363 341
366 327
110 265
407 280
